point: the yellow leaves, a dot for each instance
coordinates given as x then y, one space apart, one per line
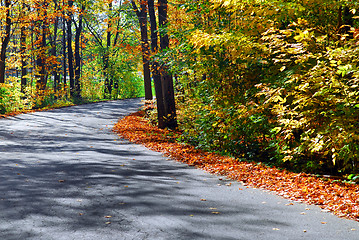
305 35
229 4
233 46
203 39
301 21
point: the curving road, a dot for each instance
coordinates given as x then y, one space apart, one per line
65 175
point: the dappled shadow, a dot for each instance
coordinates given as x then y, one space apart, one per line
77 195
64 175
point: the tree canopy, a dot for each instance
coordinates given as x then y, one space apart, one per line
268 80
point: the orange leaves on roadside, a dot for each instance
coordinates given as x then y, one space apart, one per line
340 198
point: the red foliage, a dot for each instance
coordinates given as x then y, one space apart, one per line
340 198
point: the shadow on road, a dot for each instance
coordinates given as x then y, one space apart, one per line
65 175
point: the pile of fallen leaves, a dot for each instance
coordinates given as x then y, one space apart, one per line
340 198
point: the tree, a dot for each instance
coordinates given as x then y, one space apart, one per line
55 63
167 79
161 113
79 27
142 19
5 39
70 54
64 35
163 80
23 50
41 30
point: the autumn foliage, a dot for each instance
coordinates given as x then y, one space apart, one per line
340 198
56 53
272 81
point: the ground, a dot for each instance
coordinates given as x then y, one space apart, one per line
66 175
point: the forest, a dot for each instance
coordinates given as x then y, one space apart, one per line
274 81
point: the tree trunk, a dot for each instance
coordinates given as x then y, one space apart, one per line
70 54
106 59
77 91
54 52
40 61
64 46
5 41
142 18
23 52
23 61
167 80
161 113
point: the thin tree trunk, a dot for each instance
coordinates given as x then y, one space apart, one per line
64 68
22 54
40 61
23 61
77 56
106 59
69 50
54 52
5 41
142 18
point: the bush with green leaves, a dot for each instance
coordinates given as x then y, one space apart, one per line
272 81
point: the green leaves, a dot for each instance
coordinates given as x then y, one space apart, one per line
345 70
271 81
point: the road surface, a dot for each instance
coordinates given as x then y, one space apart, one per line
65 175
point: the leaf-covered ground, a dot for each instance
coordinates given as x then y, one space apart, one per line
340 198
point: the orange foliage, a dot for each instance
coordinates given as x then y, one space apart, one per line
340 198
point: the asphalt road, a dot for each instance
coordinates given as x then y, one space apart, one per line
65 175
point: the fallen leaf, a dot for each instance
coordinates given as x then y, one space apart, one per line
323 222
202 199
215 212
276 229
298 188
108 216
61 180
